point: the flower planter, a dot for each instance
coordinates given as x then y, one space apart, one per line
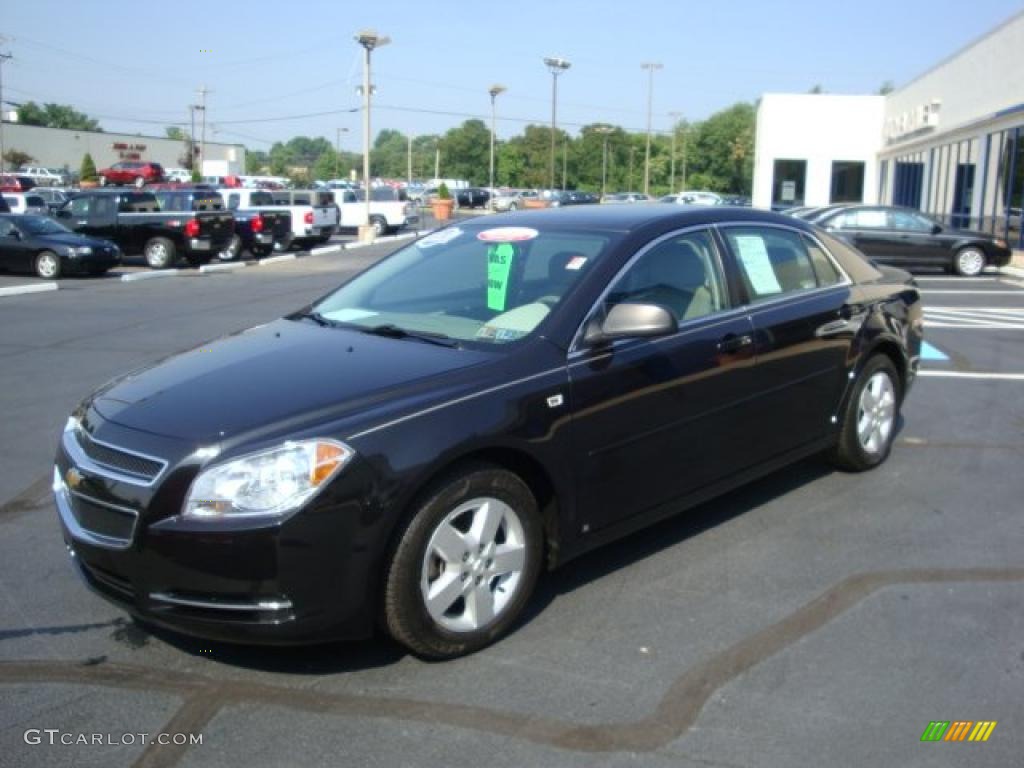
88 184
442 209
532 203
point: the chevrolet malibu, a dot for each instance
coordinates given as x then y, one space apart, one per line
411 451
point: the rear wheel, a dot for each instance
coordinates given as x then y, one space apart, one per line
465 565
140 182
969 262
379 224
48 265
233 249
160 253
869 423
103 181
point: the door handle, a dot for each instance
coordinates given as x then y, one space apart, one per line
81 223
731 343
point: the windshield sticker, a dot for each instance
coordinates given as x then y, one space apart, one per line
576 262
440 238
754 257
499 266
507 235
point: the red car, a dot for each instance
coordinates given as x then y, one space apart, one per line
137 173
14 182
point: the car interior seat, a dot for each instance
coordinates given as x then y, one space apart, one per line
674 276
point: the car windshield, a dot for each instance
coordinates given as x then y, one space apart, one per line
476 286
41 225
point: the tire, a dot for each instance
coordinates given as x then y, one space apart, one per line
233 250
512 206
380 226
969 262
103 181
47 265
469 612
160 253
866 435
139 182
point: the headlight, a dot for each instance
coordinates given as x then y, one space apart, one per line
270 483
82 251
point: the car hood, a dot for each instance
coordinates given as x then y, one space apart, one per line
284 373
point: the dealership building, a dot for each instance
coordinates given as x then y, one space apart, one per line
61 148
947 143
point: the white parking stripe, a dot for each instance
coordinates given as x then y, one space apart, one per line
1008 318
930 292
971 375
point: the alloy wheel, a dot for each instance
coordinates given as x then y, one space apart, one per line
876 412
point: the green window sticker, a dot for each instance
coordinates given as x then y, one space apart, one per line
499 267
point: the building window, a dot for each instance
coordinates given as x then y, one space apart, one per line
847 182
788 183
907 184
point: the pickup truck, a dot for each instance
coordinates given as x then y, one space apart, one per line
385 215
133 220
314 213
261 226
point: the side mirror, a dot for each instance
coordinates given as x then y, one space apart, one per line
631 321
936 229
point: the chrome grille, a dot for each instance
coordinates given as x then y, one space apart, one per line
119 460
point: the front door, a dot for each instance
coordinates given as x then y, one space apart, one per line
655 419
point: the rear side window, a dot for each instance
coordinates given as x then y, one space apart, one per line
858 219
35 200
772 262
824 269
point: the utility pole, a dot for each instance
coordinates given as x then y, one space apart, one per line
4 57
494 91
202 143
565 158
408 181
556 67
604 130
369 40
672 173
650 66
437 161
632 151
337 151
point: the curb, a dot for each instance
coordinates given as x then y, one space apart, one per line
230 266
18 290
132 277
1015 271
277 259
326 249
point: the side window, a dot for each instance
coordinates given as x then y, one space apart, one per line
80 207
103 208
679 273
233 201
824 269
906 220
772 262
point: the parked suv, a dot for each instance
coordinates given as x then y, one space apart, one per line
49 177
138 174
20 202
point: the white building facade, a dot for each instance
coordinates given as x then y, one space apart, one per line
947 143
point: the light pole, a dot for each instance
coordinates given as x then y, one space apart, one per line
408 181
4 57
337 152
202 142
632 151
604 130
556 66
650 66
369 39
672 162
494 91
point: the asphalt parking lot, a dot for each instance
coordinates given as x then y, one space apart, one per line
813 618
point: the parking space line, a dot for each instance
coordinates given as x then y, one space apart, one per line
934 292
223 267
278 259
928 372
131 277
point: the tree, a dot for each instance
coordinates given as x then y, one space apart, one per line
257 162
721 150
886 88
175 133
816 88
56 116
187 157
88 170
15 158
467 151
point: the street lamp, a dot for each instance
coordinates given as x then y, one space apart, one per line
672 161
632 151
369 39
604 130
556 66
494 91
650 66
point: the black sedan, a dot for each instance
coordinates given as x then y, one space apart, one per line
490 401
907 238
41 245
472 197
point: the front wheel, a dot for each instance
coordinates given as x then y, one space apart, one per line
380 226
140 182
869 422
969 262
465 565
160 253
48 265
103 181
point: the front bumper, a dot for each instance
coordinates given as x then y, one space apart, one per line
308 578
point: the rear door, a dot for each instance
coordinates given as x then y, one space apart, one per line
868 230
805 318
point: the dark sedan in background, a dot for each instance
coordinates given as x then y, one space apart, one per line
41 245
472 197
907 238
494 399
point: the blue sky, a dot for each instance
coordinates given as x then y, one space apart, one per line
263 60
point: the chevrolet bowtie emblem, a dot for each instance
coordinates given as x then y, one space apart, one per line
73 478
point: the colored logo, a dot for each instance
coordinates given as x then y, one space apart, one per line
73 478
958 730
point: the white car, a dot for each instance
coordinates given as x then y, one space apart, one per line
694 197
180 175
45 177
26 202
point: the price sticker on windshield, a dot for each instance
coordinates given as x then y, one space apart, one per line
499 267
507 235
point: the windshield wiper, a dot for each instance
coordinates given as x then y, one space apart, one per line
392 331
319 319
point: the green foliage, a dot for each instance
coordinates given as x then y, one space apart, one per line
15 158
56 116
196 176
886 88
257 162
465 151
88 170
175 133
720 151
443 193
